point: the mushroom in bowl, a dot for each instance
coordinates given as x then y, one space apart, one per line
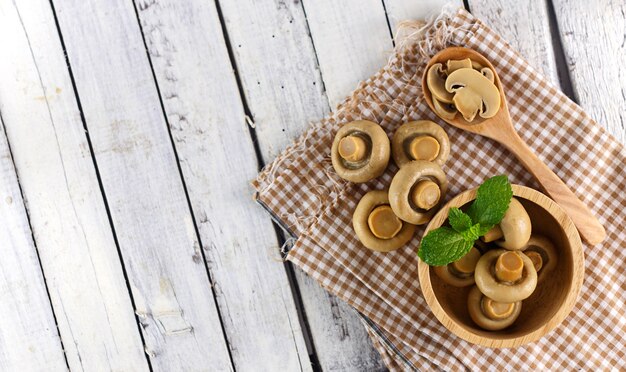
489 314
460 273
514 230
542 252
505 276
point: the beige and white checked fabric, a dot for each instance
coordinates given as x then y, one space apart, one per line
302 192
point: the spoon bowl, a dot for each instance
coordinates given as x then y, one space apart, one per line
500 128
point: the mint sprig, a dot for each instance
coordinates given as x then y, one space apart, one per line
447 244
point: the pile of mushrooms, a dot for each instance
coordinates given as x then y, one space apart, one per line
385 220
463 86
504 271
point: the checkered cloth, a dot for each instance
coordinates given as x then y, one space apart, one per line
303 193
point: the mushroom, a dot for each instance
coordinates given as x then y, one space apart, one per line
488 73
456 64
415 191
444 110
436 83
505 276
515 228
489 314
376 226
459 273
474 93
476 65
360 151
543 254
420 140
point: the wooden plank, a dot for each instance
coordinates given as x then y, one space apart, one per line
206 115
29 338
402 10
593 34
155 229
352 41
70 224
281 82
525 26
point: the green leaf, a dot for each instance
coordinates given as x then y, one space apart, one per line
472 233
492 201
483 229
459 220
442 246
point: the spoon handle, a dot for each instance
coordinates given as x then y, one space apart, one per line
587 224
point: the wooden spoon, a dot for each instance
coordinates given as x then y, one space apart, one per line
500 128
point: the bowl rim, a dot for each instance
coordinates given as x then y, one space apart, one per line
563 310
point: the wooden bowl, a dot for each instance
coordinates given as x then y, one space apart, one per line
545 309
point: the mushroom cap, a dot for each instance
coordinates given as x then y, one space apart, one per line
515 226
402 184
474 93
435 81
546 249
407 132
455 277
378 152
504 291
366 205
475 303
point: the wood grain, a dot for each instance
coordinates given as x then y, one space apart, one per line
551 302
70 225
30 340
594 43
206 117
281 81
137 164
402 10
352 42
525 25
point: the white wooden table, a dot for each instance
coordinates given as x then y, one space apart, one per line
130 131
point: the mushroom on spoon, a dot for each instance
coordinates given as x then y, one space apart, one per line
500 128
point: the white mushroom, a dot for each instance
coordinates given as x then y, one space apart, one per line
473 93
460 273
514 230
436 83
505 276
543 254
489 314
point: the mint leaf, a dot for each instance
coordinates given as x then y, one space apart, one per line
442 246
483 229
492 201
459 220
472 233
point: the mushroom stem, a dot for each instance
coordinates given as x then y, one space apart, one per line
509 267
426 194
497 310
424 148
536 259
352 148
492 235
467 263
383 223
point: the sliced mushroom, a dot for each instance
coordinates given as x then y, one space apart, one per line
457 64
489 314
543 254
415 191
376 226
488 73
444 110
476 66
420 140
473 93
435 80
514 230
505 276
460 273
360 151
